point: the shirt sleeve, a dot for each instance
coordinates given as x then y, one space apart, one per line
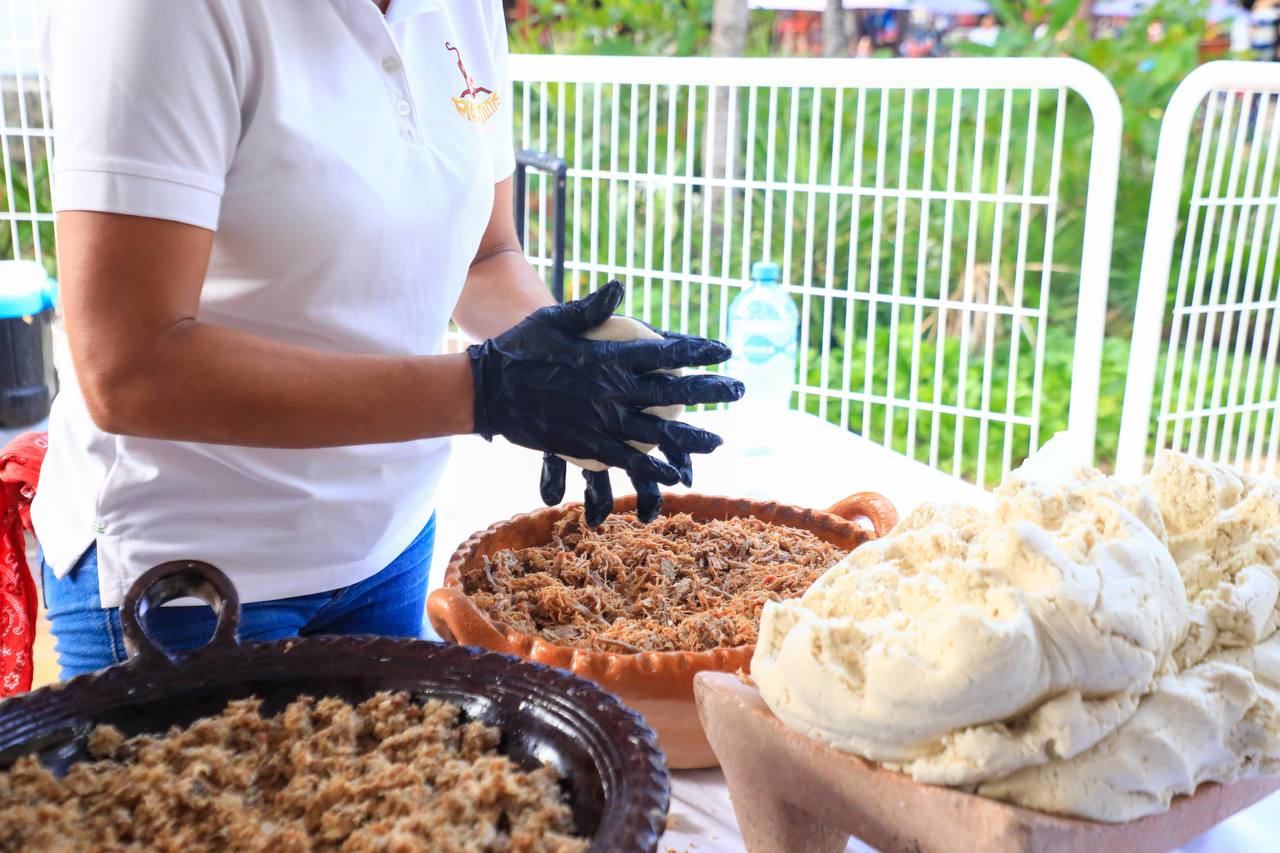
146 106
504 156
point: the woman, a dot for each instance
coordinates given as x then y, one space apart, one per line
268 212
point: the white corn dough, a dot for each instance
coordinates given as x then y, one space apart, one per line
1088 647
1214 722
626 329
1058 611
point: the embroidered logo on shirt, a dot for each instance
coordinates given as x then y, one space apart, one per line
476 103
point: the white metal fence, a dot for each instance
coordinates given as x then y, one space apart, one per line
933 220
1208 316
26 138
922 212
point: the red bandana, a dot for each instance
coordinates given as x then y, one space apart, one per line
19 473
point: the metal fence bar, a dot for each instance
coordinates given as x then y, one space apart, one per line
855 242
1200 428
558 169
806 302
895 312
913 392
1268 276
26 140
904 215
1239 260
1217 395
1020 274
935 432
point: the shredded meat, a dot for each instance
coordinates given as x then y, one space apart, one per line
389 774
673 585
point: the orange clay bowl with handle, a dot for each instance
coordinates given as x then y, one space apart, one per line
657 684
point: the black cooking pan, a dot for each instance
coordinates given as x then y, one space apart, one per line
612 770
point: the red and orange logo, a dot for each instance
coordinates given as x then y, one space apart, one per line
475 103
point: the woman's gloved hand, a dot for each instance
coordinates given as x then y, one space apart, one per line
542 386
599 491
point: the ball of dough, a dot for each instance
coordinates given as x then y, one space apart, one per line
625 329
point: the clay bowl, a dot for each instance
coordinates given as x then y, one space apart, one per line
657 684
791 792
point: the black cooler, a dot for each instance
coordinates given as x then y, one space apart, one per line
27 378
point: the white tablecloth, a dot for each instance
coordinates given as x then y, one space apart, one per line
789 457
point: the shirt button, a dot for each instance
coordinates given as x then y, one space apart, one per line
390 65
403 108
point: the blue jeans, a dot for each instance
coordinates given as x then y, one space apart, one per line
88 636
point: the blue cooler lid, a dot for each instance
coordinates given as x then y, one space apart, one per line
25 289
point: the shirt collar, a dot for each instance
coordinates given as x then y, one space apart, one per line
402 10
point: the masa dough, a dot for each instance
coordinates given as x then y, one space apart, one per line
1088 647
626 329
1214 722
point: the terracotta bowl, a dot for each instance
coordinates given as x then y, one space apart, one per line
657 684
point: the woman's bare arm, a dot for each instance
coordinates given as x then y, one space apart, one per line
502 288
146 367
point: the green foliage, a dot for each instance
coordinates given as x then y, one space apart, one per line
870 244
626 27
893 237
18 239
1145 68
1145 65
934 433
955 211
873 219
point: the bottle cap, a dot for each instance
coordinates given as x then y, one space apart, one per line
765 271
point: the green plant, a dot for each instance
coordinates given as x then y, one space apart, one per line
890 245
894 236
18 237
864 246
883 367
626 27
1145 61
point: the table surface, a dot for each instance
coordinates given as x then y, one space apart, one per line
785 456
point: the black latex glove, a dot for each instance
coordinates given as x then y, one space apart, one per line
542 386
599 492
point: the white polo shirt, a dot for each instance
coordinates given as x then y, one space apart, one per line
346 162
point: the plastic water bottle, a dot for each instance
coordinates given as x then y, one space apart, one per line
764 330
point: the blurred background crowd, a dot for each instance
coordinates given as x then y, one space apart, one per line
920 28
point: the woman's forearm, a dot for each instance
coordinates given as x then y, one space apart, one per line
502 288
212 384
145 366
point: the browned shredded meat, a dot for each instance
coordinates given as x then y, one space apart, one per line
389 774
674 584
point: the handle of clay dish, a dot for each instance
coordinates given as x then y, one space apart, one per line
872 506
169 581
457 620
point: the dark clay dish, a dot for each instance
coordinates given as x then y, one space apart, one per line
613 772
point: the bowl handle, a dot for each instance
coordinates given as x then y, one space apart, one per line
872 506
457 620
166 582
